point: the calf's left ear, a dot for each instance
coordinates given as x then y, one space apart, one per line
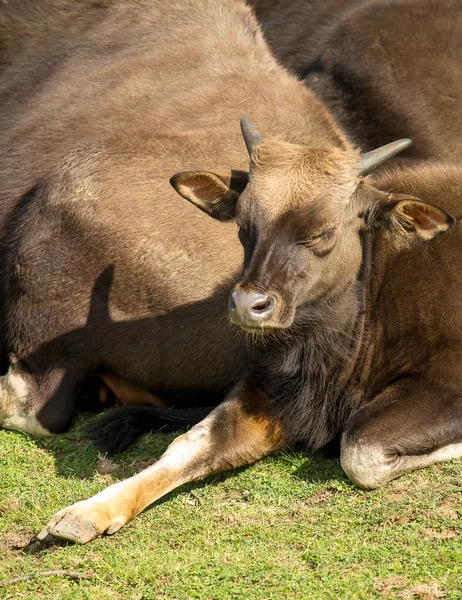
412 221
214 193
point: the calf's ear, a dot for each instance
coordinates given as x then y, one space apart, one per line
412 221
214 193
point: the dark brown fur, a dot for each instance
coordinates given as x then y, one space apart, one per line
297 30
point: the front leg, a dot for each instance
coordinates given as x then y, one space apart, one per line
413 423
238 432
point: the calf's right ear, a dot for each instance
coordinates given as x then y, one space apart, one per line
214 193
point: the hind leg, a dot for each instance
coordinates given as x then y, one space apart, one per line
412 424
126 392
38 403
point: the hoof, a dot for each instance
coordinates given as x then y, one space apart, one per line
80 524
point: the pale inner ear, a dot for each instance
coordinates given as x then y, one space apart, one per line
424 216
214 193
206 187
418 221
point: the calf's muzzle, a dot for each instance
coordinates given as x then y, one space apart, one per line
250 308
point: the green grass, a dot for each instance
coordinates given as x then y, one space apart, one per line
290 526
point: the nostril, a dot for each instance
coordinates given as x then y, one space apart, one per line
263 306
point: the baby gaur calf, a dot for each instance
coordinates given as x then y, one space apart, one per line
368 356
391 380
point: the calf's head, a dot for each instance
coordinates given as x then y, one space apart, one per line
301 212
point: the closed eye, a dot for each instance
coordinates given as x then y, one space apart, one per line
319 237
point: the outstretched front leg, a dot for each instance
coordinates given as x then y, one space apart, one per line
238 432
413 423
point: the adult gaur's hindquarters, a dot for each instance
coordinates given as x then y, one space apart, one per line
84 292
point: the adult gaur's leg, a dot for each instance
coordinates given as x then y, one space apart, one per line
412 424
126 392
38 402
238 432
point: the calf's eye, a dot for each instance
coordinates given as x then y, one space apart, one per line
316 239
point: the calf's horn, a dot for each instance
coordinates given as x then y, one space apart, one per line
374 158
250 134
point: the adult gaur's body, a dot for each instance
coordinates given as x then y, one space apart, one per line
385 68
103 264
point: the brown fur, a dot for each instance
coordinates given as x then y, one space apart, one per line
386 69
128 393
297 29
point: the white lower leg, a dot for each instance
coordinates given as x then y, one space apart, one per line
14 410
370 467
229 437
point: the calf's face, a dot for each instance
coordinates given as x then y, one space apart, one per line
300 237
301 212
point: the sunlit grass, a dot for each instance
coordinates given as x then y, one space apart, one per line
290 526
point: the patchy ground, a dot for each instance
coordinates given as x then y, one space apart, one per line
290 527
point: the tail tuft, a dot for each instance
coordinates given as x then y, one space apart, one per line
121 426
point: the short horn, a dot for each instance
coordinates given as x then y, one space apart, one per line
374 158
250 134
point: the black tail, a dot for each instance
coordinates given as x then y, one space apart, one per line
121 426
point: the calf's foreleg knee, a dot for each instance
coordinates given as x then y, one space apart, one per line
367 465
408 426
